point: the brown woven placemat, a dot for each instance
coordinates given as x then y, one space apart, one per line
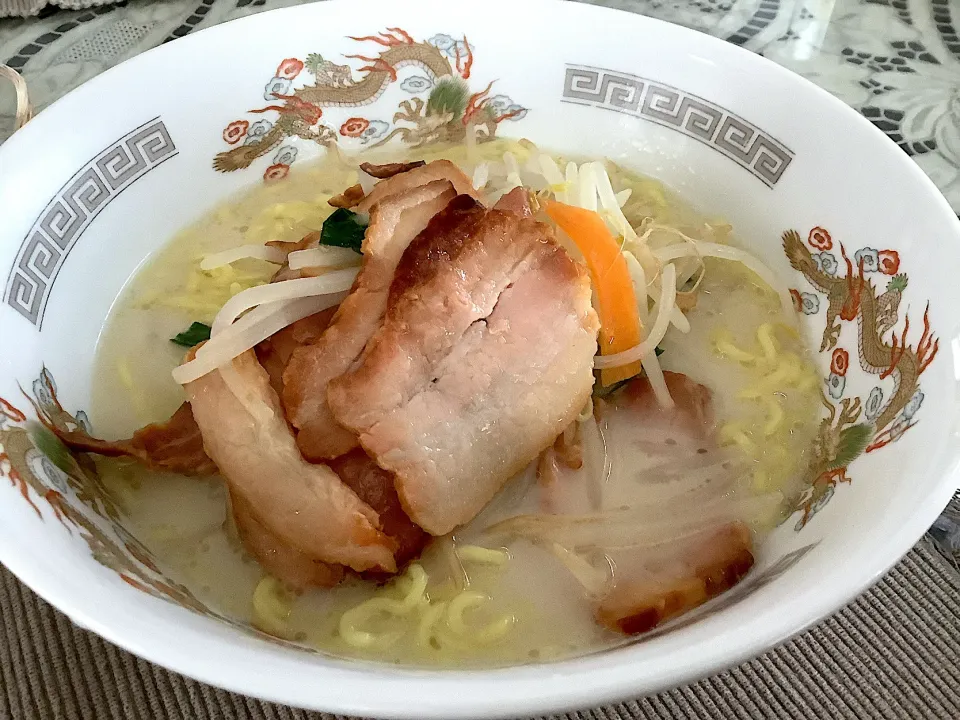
893 653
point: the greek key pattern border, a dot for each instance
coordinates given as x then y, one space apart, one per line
61 223
756 151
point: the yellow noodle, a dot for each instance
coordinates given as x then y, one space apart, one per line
732 433
772 371
789 330
786 373
768 343
723 344
491 632
459 605
352 621
428 620
775 416
272 605
365 639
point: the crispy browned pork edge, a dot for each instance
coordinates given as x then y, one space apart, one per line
172 446
717 560
388 170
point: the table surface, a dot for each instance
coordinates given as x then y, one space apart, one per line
893 653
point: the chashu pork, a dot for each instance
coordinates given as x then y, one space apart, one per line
275 352
284 562
305 506
410 175
667 518
651 591
400 207
171 446
374 486
484 355
516 201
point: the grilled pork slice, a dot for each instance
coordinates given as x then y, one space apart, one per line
654 495
283 561
697 569
400 177
484 356
171 446
643 450
382 172
394 222
516 201
305 506
375 486
310 240
275 352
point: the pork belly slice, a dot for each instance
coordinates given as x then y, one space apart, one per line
388 170
275 352
348 198
652 592
648 451
283 561
375 486
399 177
394 222
516 201
680 543
305 506
171 446
484 356
308 241
450 277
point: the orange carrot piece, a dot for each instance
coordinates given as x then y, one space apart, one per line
616 299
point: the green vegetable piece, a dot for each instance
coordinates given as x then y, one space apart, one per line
344 228
193 335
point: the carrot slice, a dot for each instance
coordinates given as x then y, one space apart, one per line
615 297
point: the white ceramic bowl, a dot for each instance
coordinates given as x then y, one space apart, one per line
105 176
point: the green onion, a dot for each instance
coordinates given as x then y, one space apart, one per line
193 335
344 228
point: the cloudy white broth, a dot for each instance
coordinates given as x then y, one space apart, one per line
602 448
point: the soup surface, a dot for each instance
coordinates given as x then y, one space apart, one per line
532 576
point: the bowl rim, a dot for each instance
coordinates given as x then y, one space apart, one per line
377 690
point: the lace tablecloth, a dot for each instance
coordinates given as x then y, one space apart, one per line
894 653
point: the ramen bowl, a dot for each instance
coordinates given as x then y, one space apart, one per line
103 178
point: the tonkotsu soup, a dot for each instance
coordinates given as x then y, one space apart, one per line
495 407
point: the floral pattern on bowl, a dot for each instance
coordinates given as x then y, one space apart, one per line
844 289
441 106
